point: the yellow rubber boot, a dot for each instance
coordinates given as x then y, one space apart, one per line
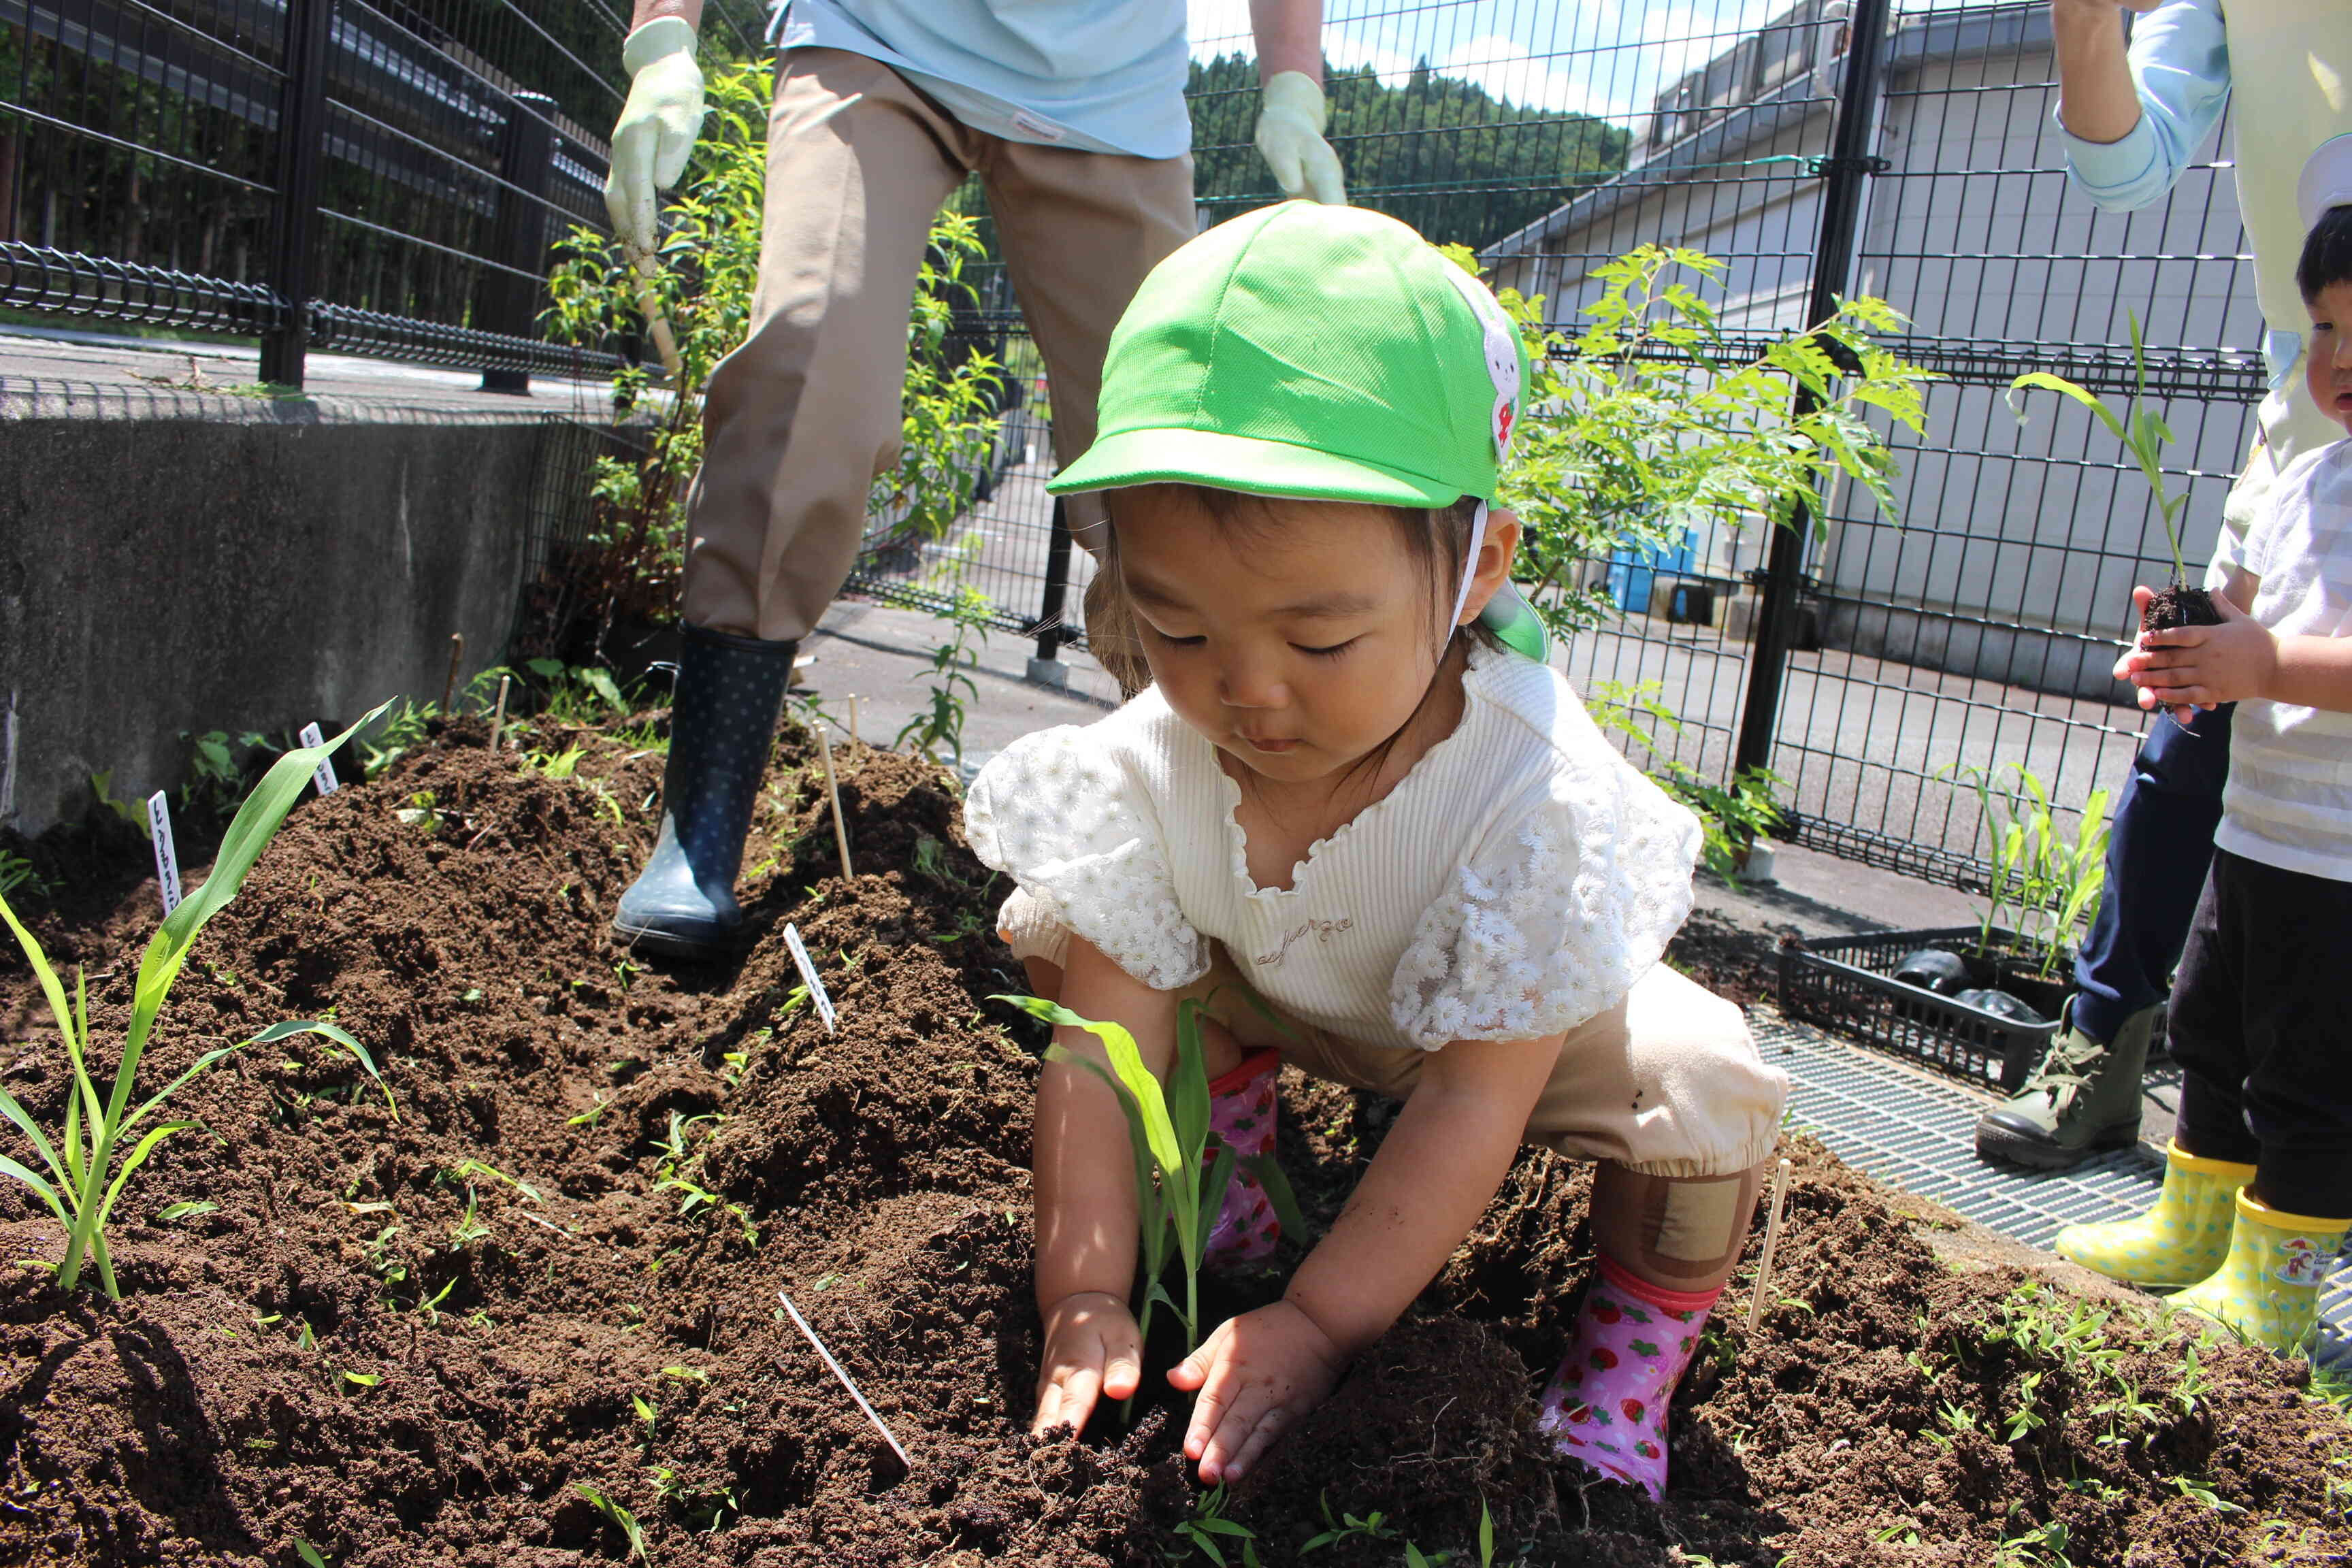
2268 1287
2179 1241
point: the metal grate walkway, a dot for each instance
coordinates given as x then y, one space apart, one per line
1916 1132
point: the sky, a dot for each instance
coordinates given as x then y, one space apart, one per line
1606 57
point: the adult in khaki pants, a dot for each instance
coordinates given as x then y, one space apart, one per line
1072 112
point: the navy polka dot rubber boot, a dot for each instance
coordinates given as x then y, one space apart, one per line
722 725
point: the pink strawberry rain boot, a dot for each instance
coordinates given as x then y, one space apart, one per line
1241 1113
1607 1403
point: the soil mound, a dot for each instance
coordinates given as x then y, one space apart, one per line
428 1339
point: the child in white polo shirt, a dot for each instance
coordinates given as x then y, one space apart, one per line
2258 1189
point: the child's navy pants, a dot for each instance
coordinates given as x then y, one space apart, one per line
2159 842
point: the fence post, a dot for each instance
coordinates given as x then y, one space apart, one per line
1051 634
302 145
1844 173
525 160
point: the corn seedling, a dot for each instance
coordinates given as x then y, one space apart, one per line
2036 868
2141 430
594 1115
171 1213
623 1520
309 1553
84 1177
1168 1133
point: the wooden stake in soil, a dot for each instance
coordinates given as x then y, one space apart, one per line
457 655
833 790
819 1346
499 719
1772 1244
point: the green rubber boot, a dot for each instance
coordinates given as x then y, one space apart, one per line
2084 1098
2268 1287
2179 1241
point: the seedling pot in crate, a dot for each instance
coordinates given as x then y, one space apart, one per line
1848 984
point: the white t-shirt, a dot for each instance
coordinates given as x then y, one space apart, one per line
1514 884
2289 799
1098 76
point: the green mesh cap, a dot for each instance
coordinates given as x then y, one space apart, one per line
1300 350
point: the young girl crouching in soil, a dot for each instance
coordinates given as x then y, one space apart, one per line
1344 790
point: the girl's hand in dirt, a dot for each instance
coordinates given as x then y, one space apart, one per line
1257 1374
2185 667
1092 1349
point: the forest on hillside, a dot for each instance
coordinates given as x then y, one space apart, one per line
1439 152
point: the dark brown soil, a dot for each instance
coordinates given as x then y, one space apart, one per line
2178 605
363 1349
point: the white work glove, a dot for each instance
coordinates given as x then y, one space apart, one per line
1290 140
657 129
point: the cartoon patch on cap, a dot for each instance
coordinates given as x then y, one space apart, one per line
1502 346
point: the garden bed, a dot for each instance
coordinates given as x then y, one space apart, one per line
361 1348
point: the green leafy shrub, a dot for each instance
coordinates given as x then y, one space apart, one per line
1648 423
709 270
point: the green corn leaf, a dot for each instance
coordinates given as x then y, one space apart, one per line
1160 1133
48 1194
16 1112
255 823
2043 381
309 1553
1188 1085
1213 1196
137 1157
50 987
1268 1171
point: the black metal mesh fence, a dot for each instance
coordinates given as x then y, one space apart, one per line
1978 629
149 166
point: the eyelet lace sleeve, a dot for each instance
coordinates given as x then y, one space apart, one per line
1066 823
1555 916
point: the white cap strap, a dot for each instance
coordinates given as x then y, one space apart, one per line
1469 567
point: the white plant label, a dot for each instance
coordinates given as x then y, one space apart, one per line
323 775
167 859
808 976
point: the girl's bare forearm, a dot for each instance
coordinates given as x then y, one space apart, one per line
1427 1187
1085 1170
1084 1185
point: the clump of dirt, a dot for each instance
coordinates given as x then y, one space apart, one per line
2178 605
424 1339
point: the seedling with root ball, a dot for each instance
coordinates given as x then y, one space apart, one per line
86 1167
2145 436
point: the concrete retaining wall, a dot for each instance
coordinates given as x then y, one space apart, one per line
185 561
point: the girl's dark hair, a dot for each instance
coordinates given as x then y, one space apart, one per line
1437 539
2326 254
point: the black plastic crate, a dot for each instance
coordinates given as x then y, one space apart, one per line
1848 984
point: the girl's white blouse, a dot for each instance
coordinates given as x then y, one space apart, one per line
1515 883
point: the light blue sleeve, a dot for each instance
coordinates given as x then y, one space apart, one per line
2180 64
